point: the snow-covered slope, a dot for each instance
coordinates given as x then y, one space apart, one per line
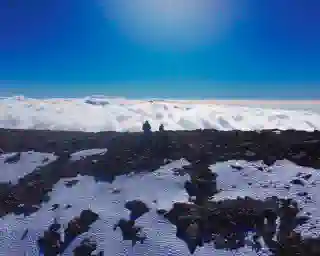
158 190
99 113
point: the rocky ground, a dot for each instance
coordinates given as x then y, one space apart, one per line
200 220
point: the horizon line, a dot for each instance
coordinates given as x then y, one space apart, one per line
209 100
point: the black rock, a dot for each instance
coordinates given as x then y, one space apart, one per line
237 167
54 207
137 208
307 176
13 159
161 211
78 226
130 231
24 234
85 248
297 182
302 193
71 183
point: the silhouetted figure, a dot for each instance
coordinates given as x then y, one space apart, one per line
146 127
146 138
162 141
161 128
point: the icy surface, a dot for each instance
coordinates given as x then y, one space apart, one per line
99 113
27 163
88 152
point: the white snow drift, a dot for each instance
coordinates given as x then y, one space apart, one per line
100 113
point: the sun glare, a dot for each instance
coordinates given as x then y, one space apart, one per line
171 23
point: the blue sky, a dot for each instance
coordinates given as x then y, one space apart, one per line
161 48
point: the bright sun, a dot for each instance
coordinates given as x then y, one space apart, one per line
171 23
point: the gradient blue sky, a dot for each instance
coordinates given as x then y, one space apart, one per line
248 49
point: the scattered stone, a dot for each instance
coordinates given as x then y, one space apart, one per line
297 182
302 220
236 167
115 191
24 235
161 211
45 160
302 193
287 187
307 176
54 207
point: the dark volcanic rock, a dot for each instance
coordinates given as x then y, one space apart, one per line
24 235
130 231
237 167
71 183
297 182
307 176
77 226
137 208
54 207
227 222
50 242
203 184
85 248
13 159
161 212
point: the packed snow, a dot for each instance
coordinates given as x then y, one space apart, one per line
159 190
88 152
99 113
14 166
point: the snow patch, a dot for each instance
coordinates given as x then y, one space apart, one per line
88 152
25 164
